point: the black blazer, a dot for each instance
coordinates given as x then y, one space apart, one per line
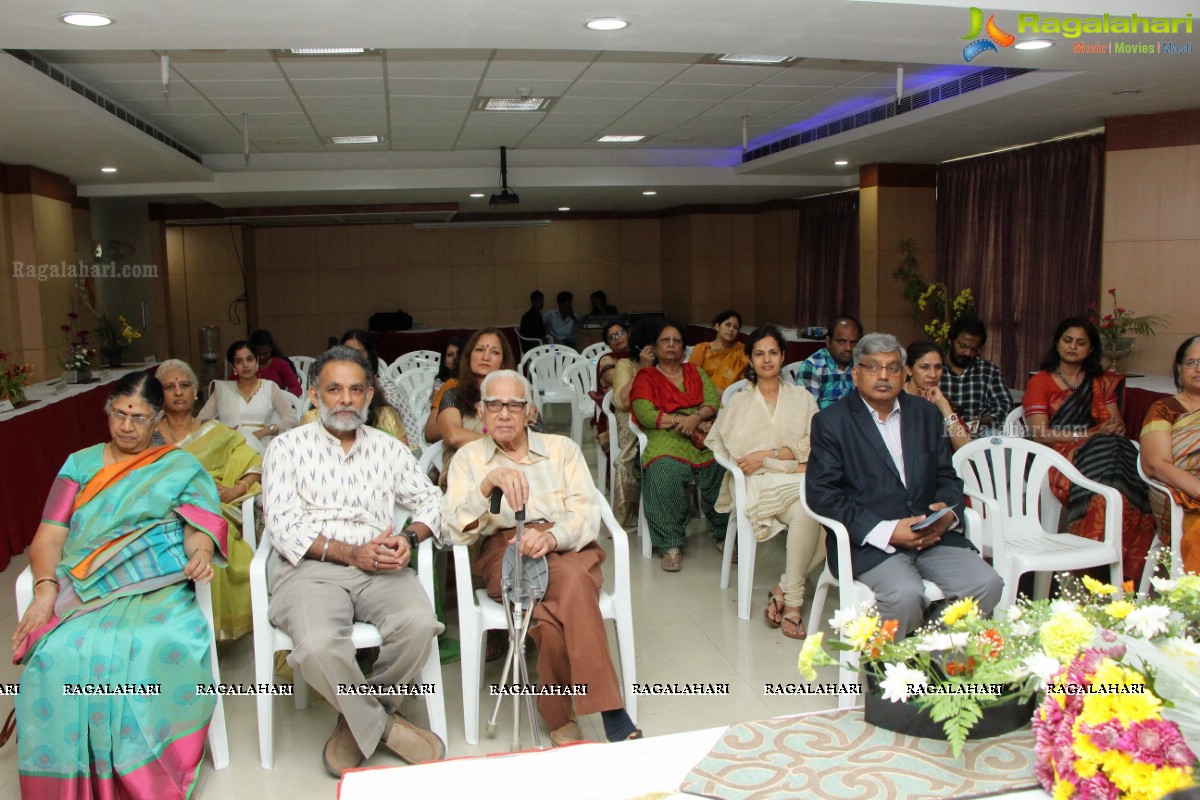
851 476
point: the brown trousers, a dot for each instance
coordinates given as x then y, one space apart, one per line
568 630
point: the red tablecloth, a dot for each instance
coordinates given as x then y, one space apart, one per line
33 447
393 344
1137 403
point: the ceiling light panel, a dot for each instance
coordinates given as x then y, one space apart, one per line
364 139
85 19
750 58
328 51
606 24
513 104
615 138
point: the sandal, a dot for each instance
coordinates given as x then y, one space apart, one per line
792 623
773 613
671 560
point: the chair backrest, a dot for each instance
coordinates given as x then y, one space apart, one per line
593 351
548 372
414 385
302 363
527 343
417 359
733 389
1014 473
1014 423
580 374
687 352
1176 521
410 381
431 458
789 371
540 350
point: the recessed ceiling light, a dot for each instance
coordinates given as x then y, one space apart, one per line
372 139
327 51
477 195
108 169
616 138
514 104
606 24
564 208
1034 44
85 19
840 163
751 58
650 193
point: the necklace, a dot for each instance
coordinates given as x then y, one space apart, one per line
674 377
113 452
1072 387
171 429
1186 402
254 391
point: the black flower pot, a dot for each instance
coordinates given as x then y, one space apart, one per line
912 720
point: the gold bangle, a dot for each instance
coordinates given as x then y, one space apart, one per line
40 581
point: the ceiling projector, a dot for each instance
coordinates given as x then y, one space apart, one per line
507 196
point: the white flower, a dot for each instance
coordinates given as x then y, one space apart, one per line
1042 665
843 617
1063 607
1023 629
1162 585
940 641
897 681
1148 621
1015 613
1183 649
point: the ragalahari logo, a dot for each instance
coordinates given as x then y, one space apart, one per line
995 36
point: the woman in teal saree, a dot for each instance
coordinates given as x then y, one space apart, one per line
114 643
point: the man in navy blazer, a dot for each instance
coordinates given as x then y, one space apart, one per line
880 464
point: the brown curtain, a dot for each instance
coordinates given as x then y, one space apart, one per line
1022 229
827 258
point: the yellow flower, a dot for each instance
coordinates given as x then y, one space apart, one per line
1096 587
1119 609
1138 705
1065 634
1063 790
813 655
861 631
959 611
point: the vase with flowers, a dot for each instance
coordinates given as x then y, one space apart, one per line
77 360
13 380
114 337
1118 329
1113 677
933 306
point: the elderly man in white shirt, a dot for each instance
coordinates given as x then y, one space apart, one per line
329 491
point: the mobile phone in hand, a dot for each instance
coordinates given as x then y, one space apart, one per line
932 518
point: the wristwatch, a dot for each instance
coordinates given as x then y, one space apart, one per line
411 535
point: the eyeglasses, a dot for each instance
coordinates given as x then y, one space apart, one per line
137 419
614 336
875 369
513 406
1192 363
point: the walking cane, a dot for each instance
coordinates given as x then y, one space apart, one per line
523 585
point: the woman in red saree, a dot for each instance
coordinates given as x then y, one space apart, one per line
1072 406
126 528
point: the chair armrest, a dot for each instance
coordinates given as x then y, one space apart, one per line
248 522
425 571
462 578
841 541
24 590
259 598
620 540
974 523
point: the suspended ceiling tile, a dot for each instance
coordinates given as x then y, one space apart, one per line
646 72
696 91
349 67
437 64
319 105
417 104
356 87
507 87
593 105
246 88
403 115
655 105
256 105
611 89
433 87
241 70
716 74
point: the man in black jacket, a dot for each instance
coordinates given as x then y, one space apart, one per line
880 465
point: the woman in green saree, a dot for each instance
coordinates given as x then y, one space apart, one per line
236 467
114 643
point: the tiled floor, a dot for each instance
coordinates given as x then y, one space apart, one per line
687 630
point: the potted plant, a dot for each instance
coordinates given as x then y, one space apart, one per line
1118 328
77 361
962 669
115 337
931 300
13 380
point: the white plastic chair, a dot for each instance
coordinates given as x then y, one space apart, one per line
740 534
1009 478
1014 423
268 639
218 737
614 447
593 351
853 594
478 613
547 373
789 371
527 343
1157 545
541 350
418 359
733 389
643 527
580 376
416 388
412 382
302 402
302 365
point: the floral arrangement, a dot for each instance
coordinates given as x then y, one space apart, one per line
79 350
13 380
1122 322
931 298
115 335
1132 744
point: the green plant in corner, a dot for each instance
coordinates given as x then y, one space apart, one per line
908 271
932 304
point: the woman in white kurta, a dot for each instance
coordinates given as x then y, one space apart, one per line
764 430
256 407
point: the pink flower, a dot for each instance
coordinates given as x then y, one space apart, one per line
1113 291
72 315
1120 311
65 328
1108 317
1098 787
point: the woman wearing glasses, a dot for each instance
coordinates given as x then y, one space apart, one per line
1071 405
256 407
1171 450
675 404
127 527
